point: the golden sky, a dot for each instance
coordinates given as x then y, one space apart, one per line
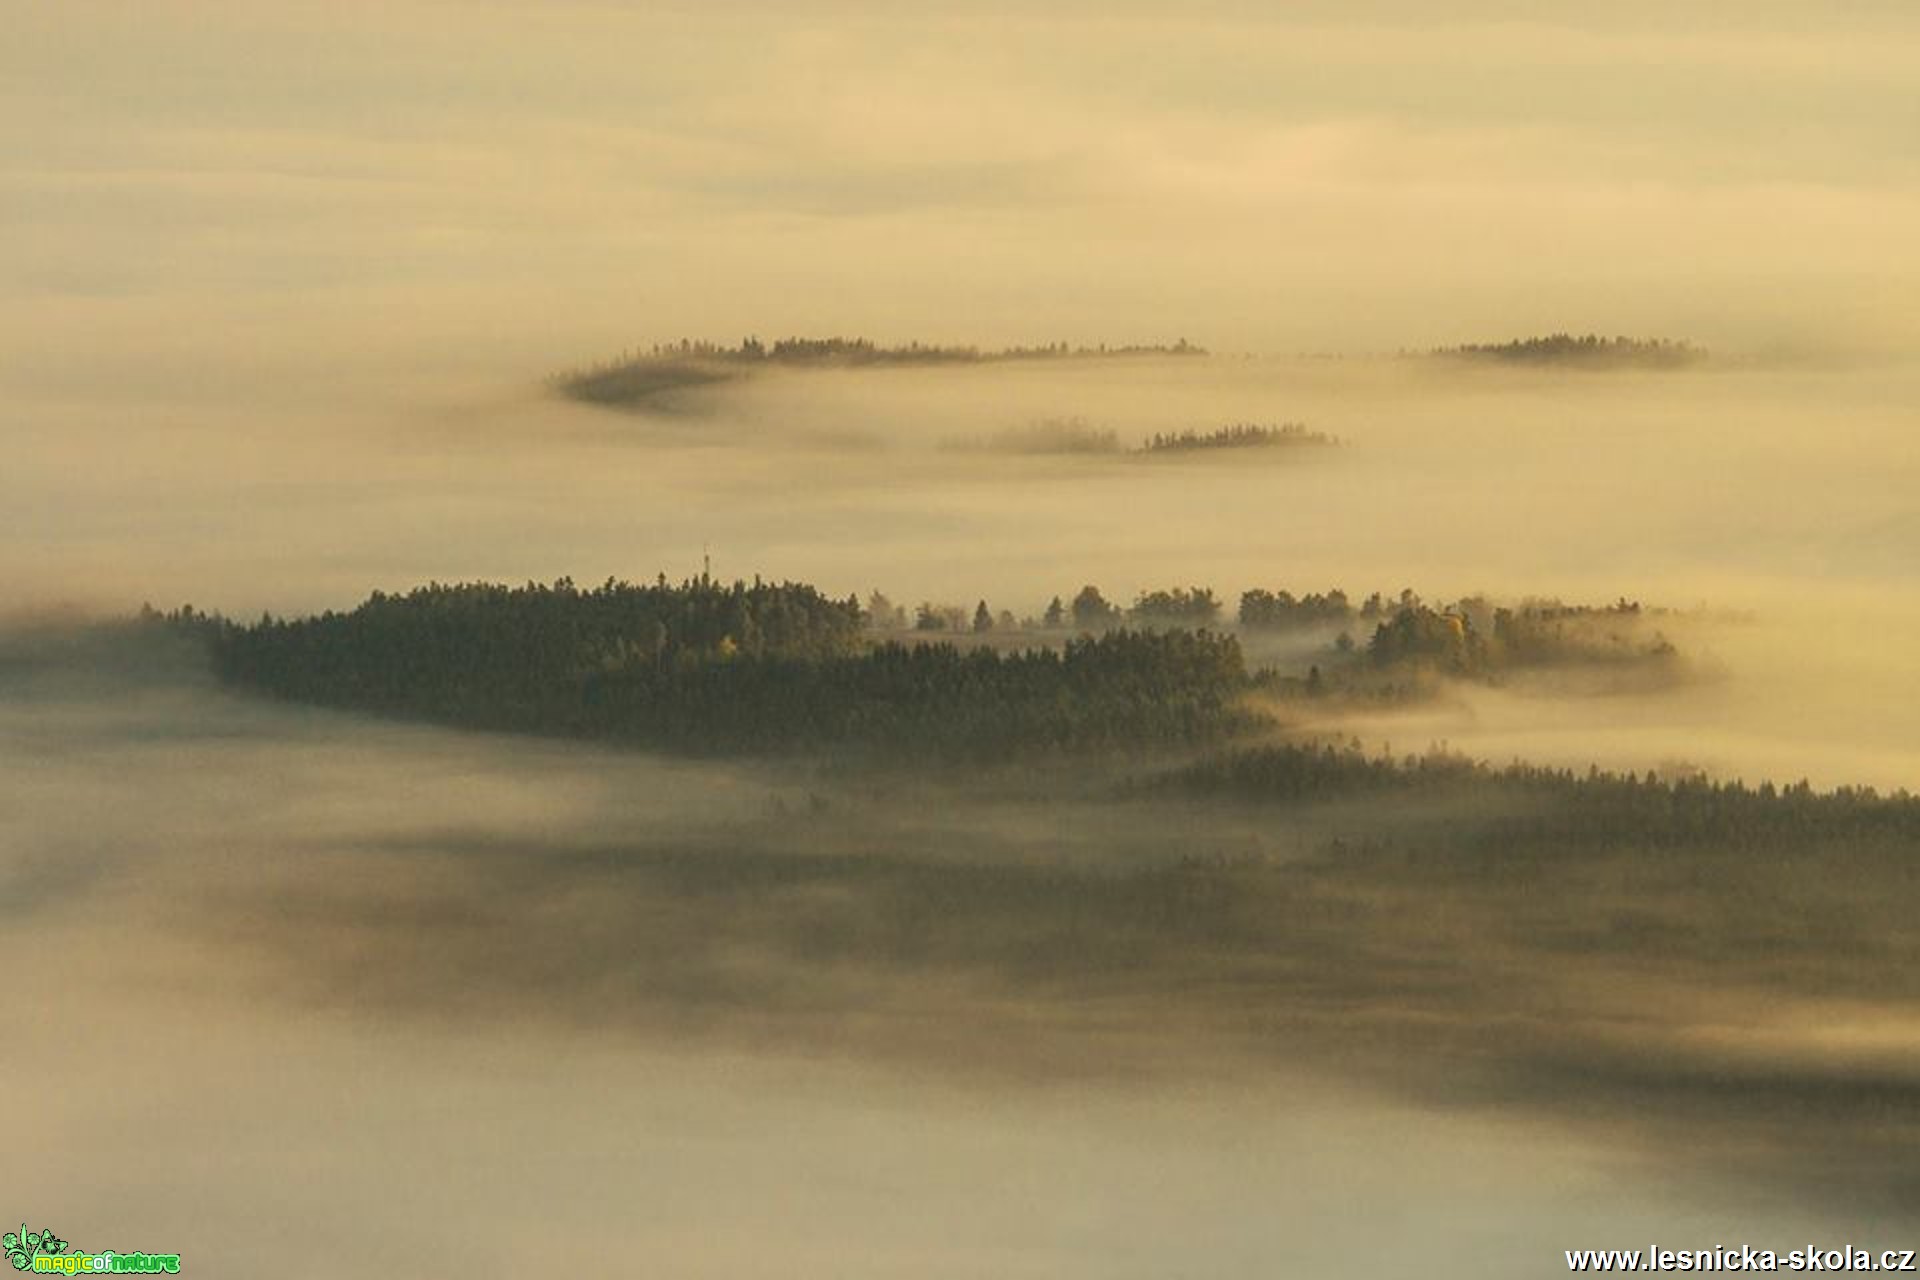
561 177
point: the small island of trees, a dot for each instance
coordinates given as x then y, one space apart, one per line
1075 436
636 377
1590 351
1240 435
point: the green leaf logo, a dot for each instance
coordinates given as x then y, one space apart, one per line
23 1246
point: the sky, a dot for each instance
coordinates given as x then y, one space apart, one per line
189 187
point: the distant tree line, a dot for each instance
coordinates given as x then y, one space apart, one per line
1260 608
1590 349
1180 606
1461 641
1089 611
839 350
1241 435
1403 634
638 375
1075 436
1533 803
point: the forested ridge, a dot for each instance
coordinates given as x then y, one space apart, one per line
703 666
708 666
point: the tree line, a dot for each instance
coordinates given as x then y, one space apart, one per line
636 374
1465 637
1073 435
1239 435
1590 349
700 666
708 666
1535 804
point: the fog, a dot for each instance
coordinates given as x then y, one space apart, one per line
433 176
506 1002
1770 507
285 285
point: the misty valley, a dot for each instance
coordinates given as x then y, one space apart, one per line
1074 818
1137 842
870 640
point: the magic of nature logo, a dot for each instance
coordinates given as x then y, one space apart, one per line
44 1252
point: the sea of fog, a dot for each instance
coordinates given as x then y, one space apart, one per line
302 994
1772 505
219 912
